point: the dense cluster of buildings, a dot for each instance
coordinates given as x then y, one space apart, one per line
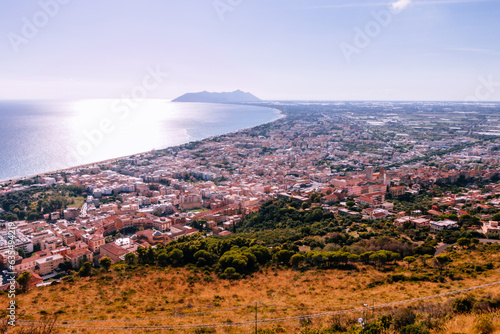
217 181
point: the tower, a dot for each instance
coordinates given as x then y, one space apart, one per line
381 176
369 172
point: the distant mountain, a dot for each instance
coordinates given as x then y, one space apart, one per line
227 97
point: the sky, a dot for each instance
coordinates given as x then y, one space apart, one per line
444 50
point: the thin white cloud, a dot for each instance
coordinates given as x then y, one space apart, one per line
398 5
345 5
444 2
401 4
476 50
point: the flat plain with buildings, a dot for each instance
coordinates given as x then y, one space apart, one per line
358 157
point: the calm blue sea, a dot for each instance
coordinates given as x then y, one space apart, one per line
43 136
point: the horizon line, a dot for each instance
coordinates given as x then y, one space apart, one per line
247 102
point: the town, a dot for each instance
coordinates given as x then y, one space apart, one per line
350 159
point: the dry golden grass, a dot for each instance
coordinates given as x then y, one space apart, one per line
472 324
168 293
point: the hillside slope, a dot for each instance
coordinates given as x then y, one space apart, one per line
304 298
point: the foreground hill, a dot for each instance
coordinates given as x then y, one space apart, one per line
305 300
226 97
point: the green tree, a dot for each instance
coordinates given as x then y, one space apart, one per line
150 255
353 258
175 257
315 197
424 258
379 258
163 259
469 220
33 216
105 262
283 256
230 273
415 329
203 258
24 279
37 247
297 259
65 266
441 261
365 257
85 270
21 252
496 217
241 259
141 255
464 242
262 253
130 259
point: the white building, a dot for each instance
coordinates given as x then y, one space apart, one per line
490 226
444 224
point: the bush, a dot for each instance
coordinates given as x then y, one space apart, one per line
414 329
462 304
399 278
403 318
230 273
69 279
305 321
85 270
484 325
373 328
242 260
339 323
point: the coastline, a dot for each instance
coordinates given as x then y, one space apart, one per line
12 181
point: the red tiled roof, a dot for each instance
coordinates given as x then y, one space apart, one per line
114 249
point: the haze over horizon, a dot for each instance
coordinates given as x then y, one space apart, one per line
444 50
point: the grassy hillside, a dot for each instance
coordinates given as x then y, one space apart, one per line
190 296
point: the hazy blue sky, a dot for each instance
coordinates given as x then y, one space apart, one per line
276 49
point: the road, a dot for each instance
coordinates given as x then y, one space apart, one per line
442 248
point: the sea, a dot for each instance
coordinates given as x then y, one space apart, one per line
42 136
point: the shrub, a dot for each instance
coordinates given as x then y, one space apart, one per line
203 258
305 321
339 323
241 259
399 278
85 270
283 256
462 304
385 321
434 315
373 328
403 318
69 279
230 273
414 329
482 306
483 325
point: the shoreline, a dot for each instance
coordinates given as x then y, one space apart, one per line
13 181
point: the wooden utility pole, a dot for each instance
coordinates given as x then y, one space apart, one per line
373 309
